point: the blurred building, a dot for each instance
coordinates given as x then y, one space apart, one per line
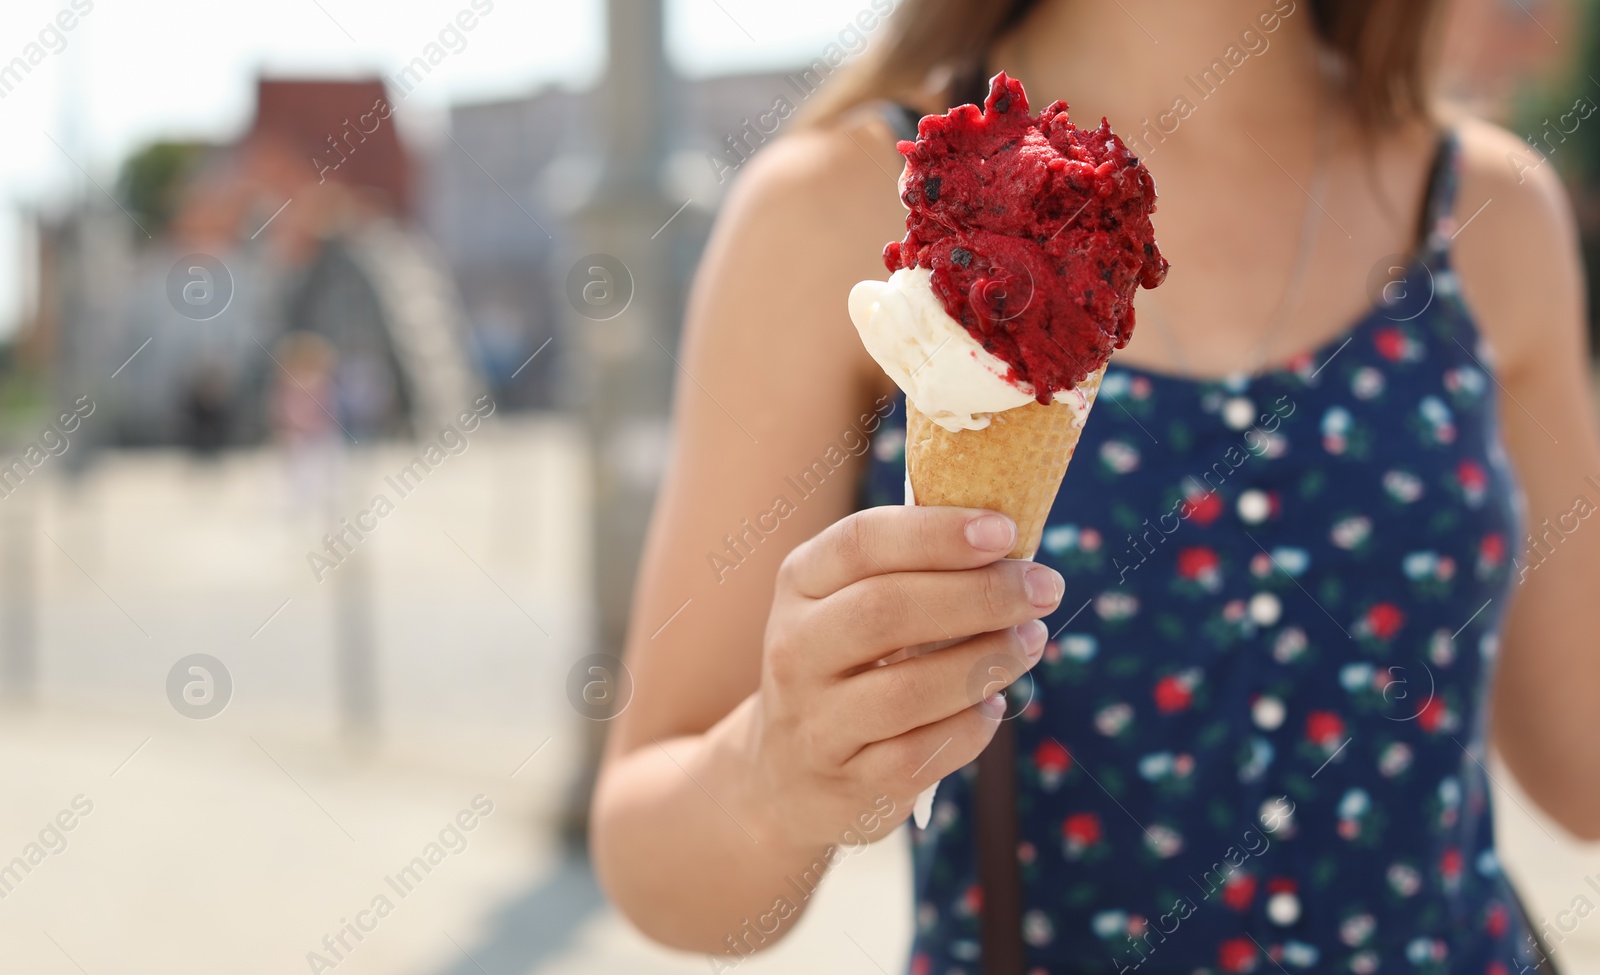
499 235
304 224
502 191
432 276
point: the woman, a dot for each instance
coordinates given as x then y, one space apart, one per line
1287 567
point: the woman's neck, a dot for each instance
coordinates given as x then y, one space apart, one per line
1157 67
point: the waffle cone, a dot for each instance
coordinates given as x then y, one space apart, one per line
1014 465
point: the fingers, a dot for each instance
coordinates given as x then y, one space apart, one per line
897 538
876 616
906 764
890 701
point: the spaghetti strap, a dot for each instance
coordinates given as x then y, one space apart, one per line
1437 222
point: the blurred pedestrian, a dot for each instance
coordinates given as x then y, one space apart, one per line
208 410
301 397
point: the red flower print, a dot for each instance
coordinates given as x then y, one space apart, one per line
1450 864
1082 829
921 964
1493 548
1196 562
1237 955
1495 968
1172 695
1385 620
1391 343
1052 758
1496 920
1324 728
1239 891
1431 717
972 900
1282 885
1206 508
1471 476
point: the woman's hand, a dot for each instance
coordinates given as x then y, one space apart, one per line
842 715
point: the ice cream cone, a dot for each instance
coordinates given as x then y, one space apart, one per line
1014 465
984 194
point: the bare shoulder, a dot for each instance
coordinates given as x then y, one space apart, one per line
837 179
1523 185
1516 252
807 218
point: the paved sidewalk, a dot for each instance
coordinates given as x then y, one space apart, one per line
236 847
239 842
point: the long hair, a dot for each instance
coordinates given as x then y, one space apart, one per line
1384 44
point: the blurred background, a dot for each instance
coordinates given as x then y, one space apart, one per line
334 373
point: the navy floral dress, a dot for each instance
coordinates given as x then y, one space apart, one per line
1256 739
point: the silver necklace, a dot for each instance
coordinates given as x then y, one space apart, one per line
1310 226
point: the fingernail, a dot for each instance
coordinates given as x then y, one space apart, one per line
991 533
1033 633
1044 585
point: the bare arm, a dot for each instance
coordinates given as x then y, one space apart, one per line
762 731
1519 267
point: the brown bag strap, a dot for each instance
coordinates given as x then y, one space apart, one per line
999 876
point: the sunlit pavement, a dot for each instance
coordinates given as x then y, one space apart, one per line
236 849
240 842
239 847
248 841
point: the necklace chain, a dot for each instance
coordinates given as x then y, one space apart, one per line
1310 226
1294 289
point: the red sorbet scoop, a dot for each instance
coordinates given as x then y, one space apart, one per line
1037 233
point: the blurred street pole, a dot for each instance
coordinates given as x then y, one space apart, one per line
18 647
355 639
626 377
357 656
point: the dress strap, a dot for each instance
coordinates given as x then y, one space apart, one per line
1437 222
